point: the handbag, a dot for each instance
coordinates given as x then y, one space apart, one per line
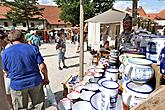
50 95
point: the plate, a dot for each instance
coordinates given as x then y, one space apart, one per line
82 105
73 95
86 95
92 86
93 80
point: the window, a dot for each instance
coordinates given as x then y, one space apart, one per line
14 24
32 24
24 24
6 24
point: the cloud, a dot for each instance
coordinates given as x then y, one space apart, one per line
46 2
122 5
150 6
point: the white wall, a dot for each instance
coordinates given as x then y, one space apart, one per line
37 24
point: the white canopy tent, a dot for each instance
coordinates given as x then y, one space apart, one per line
112 16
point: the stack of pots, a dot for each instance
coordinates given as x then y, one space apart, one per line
113 58
136 74
154 46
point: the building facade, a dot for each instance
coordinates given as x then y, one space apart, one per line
49 20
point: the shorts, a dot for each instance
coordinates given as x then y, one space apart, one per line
60 54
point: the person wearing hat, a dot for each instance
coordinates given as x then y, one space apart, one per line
24 72
33 38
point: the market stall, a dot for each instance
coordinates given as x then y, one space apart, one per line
108 25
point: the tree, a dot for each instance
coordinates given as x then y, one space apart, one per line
70 9
22 10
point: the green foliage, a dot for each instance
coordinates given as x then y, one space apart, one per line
71 9
22 10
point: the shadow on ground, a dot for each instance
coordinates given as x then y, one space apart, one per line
50 55
72 57
75 65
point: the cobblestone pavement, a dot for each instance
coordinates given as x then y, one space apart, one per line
56 76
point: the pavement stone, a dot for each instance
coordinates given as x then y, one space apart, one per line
56 76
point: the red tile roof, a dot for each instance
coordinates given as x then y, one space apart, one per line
152 16
161 14
140 11
50 13
3 11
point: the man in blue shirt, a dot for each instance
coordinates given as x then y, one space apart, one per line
23 64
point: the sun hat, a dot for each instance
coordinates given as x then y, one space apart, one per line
30 38
27 36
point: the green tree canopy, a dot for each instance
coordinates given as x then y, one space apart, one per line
71 9
22 10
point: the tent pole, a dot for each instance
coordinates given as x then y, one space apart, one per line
81 39
134 12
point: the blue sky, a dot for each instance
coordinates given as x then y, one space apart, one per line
150 6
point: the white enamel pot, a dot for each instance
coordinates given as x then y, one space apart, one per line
134 93
112 74
139 70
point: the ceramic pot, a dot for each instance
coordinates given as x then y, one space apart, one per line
112 74
109 93
95 101
154 47
139 70
134 93
123 58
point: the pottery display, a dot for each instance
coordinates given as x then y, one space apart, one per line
79 88
123 58
154 47
112 74
82 105
86 95
139 70
95 101
94 80
65 104
109 93
91 86
73 95
134 93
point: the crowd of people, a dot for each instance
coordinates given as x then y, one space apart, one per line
25 70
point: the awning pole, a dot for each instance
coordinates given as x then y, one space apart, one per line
81 39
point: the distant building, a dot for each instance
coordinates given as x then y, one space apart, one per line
157 17
49 20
